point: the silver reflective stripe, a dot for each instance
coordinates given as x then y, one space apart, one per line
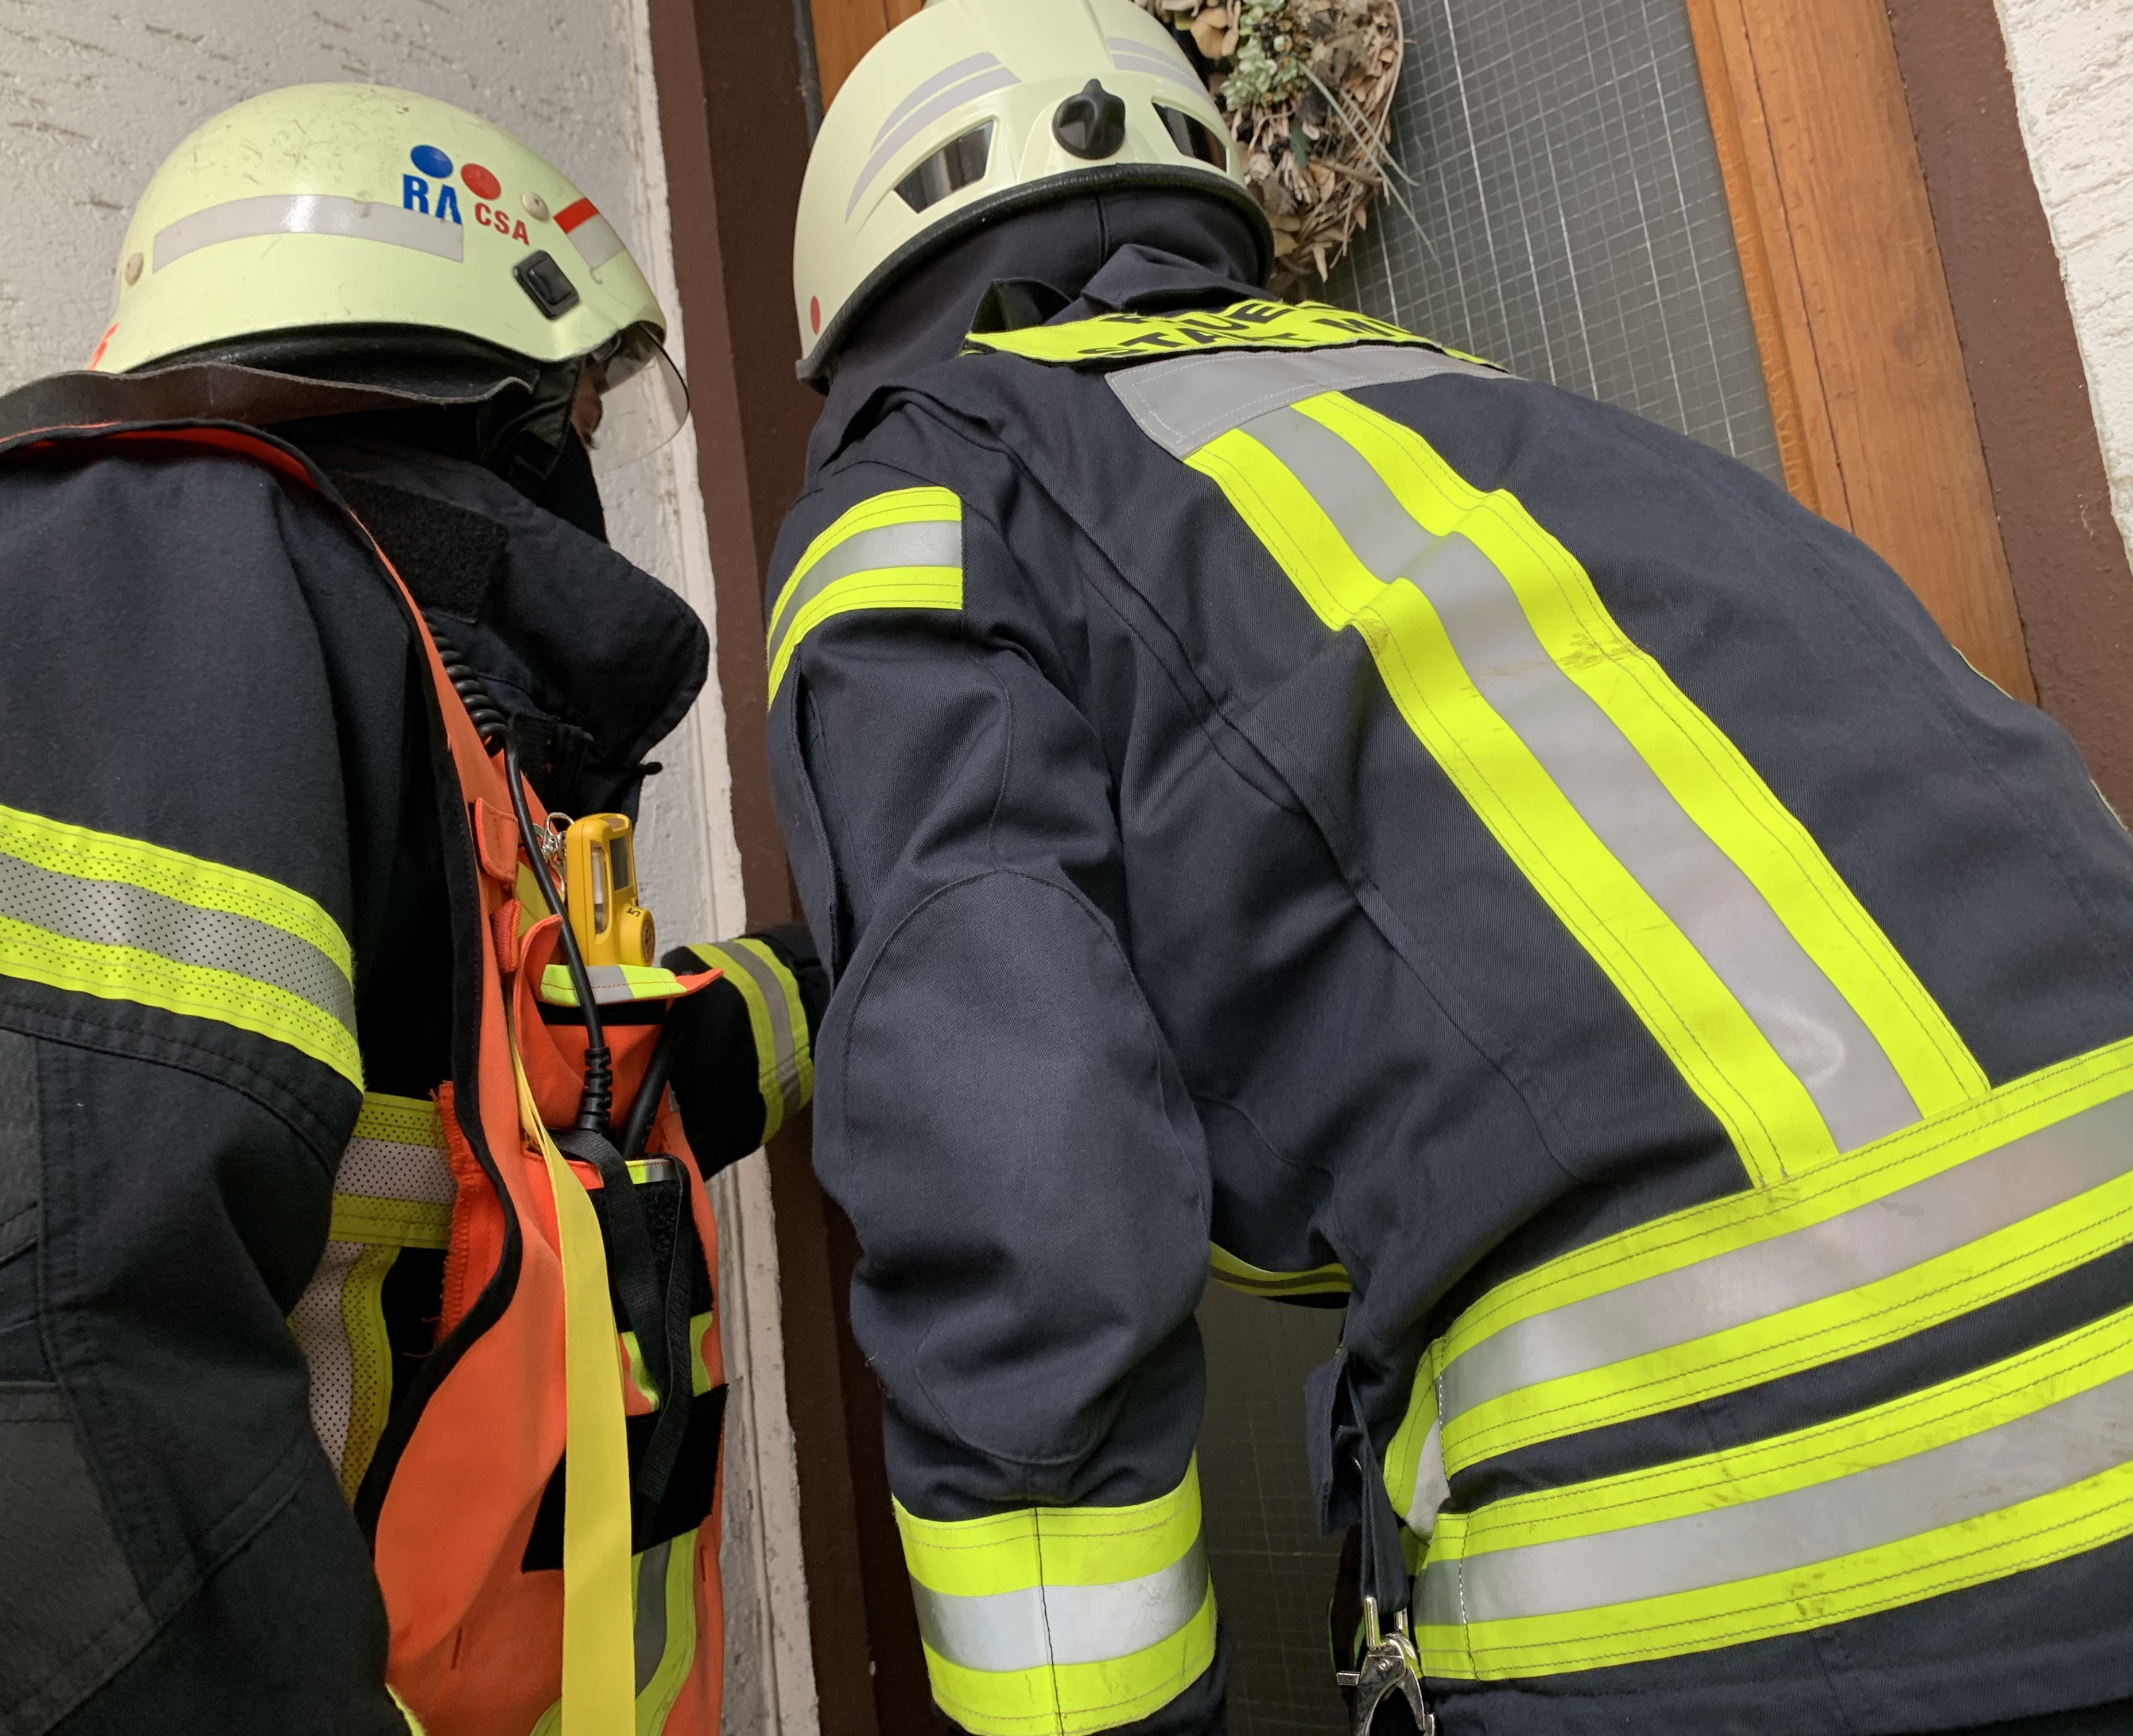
309 214
116 914
2052 1448
1063 1624
1431 1488
1181 405
387 1169
1130 56
770 984
651 1632
924 543
1797 1008
1989 1193
897 134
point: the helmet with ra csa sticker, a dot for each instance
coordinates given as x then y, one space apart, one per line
402 250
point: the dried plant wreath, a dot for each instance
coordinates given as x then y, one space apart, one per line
1307 86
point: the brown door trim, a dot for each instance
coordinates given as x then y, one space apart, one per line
1851 303
2064 552
733 101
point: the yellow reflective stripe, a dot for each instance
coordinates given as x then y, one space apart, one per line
392 1223
1404 1452
1051 1545
1698 764
2023 1254
370 1360
1252 324
399 1120
894 523
699 1376
614 985
1721 1054
778 1020
414 1724
1320 1280
1984 1545
112 916
1070 1700
599 1652
101 855
673 1576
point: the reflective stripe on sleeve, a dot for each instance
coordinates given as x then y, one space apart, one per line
1940 1219
900 550
777 1018
2006 1469
1710 909
124 920
1062 1620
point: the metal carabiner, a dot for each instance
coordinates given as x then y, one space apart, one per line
1388 1662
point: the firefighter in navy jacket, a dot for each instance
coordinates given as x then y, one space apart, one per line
1278 795
240 947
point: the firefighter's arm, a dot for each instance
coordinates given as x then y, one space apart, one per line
179 1071
745 1049
999 1113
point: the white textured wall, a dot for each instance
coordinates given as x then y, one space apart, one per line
93 95
2072 63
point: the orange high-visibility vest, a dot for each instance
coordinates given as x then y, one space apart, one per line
485 1639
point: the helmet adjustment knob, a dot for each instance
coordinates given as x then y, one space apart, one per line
1091 124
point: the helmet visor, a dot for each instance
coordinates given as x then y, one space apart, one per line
643 400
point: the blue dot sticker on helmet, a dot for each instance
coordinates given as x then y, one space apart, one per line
430 160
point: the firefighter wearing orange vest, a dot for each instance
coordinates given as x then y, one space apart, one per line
358 1359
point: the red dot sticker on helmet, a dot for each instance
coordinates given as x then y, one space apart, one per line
815 313
480 183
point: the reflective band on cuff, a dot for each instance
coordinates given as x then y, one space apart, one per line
1062 1620
1181 405
899 550
1043 1625
779 1020
122 920
309 214
2010 1467
1940 1219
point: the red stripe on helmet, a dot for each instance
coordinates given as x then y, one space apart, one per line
571 216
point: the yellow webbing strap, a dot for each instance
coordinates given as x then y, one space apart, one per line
598 1643
1226 1269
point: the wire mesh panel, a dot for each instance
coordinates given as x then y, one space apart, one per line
1568 216
1569 222
1273 1571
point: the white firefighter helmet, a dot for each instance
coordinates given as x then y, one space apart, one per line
972 109
370 212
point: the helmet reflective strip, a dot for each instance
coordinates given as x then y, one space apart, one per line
968 90
1130 56
1044 1625
309 214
